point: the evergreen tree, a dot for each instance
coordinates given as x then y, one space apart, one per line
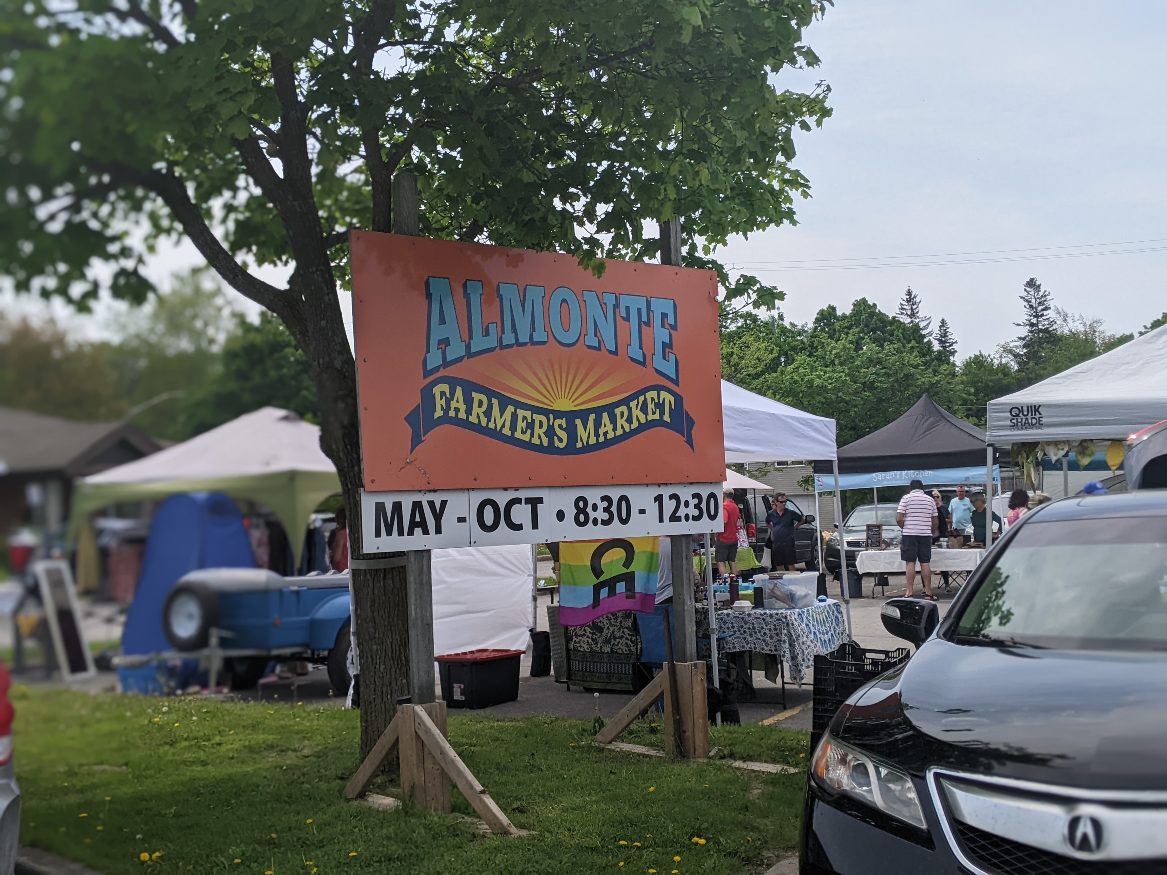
1039 330
909 311
945 340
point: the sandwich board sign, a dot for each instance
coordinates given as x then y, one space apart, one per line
509 396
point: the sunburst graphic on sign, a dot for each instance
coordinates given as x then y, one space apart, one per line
563 385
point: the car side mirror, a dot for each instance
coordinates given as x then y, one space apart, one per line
836 525
809 520
914 620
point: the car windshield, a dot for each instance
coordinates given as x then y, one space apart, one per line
862 516
1098 584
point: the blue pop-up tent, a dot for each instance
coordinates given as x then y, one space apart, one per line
189 531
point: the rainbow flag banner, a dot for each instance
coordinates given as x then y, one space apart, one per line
602 577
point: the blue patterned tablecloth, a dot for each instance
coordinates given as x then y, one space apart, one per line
793 636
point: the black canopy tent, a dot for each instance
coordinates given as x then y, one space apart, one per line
925 437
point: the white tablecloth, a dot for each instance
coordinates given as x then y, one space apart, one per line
889 561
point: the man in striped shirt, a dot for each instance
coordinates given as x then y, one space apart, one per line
916 515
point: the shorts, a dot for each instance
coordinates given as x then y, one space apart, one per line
916 548
782 553
726 552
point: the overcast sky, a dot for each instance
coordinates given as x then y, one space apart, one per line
964 127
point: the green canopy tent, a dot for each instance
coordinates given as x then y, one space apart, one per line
269 456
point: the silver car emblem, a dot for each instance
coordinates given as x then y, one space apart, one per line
1084 833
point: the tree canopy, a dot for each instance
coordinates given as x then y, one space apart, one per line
263 132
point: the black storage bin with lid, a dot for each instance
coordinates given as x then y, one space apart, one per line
479 678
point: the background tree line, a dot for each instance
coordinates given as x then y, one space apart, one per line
182 364
189 361
864 367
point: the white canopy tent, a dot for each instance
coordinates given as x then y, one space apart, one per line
760 429
734 480
1106 398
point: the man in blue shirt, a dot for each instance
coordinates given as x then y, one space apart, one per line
960 510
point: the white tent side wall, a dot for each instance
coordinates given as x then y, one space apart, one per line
482 598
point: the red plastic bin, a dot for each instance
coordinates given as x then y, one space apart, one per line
479 678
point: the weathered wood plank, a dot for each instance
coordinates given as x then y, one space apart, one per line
632 712
374 761
463 778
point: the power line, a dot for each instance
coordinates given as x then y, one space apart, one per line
958 254
745 266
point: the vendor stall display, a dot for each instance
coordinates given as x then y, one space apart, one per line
955 564
794 636
1091 407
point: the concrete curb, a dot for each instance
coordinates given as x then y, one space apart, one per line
789 866
34 861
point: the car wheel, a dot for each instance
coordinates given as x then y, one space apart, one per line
338 675
191 611
245 671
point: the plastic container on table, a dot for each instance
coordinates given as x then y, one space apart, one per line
479 678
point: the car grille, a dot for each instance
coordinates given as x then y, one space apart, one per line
1004 857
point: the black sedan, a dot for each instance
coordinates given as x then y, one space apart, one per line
1029 731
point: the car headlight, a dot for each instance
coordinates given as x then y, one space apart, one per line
844 769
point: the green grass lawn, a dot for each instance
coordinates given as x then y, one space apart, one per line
255 787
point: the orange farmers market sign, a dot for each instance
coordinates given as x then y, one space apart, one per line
485 367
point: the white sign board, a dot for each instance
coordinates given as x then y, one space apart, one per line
59 599
394 521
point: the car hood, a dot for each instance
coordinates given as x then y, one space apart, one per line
1084 719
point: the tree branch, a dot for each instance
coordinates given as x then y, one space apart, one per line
293 130
134 12
366 37
171 189
472 231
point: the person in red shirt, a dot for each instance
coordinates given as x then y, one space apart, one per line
726 545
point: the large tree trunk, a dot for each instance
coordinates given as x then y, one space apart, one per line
380 608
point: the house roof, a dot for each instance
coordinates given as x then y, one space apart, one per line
33 442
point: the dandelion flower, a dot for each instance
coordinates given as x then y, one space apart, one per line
273 835
268 872
107 798
236 861
352 854
697 840
144 857
677 858
676 871
83 814
652 872
622 842
309 820
156 856
636 844
652 789
620 864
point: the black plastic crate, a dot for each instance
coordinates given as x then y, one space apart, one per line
479 678
839 674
